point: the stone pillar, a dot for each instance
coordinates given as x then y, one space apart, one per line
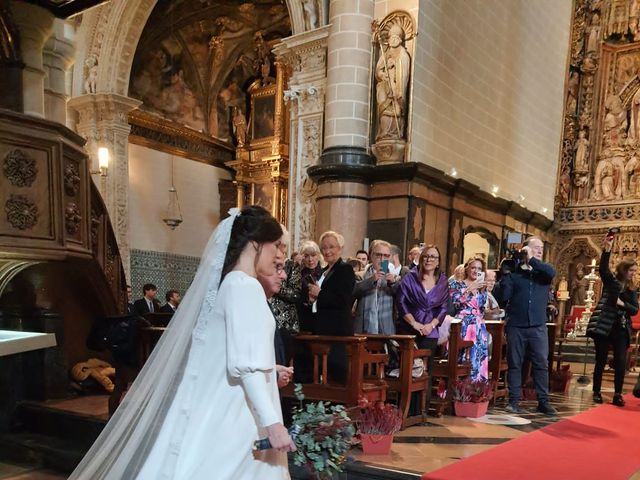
103 121
346 160
34 24
10 62
305 55
58 58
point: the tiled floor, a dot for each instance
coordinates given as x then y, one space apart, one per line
418 449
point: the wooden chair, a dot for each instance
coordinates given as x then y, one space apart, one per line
498 362
406 384
149 336
454 366
356 385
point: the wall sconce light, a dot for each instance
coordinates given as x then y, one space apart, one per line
494 190
103 162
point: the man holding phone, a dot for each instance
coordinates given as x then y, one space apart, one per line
374 293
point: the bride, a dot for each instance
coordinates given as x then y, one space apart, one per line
209 389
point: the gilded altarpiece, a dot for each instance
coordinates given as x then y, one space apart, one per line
261 162
599 174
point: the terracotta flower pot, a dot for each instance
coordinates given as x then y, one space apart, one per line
470 409
376 444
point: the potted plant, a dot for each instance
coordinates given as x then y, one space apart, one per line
471 397
323 435
377 422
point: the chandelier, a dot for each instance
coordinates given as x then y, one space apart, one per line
173 218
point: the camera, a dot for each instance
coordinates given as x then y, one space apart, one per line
515 257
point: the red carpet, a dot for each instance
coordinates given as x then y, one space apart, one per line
603 442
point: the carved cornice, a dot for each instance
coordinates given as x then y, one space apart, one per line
151 131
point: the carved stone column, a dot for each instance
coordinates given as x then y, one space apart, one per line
34 24
103 122
58 57
305 54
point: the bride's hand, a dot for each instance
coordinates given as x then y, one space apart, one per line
279 438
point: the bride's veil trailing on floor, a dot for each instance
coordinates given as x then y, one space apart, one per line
123 446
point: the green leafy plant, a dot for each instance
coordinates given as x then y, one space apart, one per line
474 391
377 418
324 436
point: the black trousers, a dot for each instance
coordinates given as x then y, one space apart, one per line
618 339
534 343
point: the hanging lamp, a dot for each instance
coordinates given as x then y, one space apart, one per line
173 218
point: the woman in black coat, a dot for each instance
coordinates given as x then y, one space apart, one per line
610 323
332 299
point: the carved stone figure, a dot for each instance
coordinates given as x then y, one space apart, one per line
593 36
579 286
607 182
564 188
310 10
91 75
618 18
634 14
582 150
239 126
392 76
615 121
572 92
632 176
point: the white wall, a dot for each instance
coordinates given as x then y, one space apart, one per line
149 182
488 93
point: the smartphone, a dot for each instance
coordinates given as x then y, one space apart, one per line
384 266
480 277
612 232
310 280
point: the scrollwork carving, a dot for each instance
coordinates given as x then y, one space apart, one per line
19 168
72 218
71 179
21 212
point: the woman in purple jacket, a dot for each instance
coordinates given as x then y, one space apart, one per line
422 299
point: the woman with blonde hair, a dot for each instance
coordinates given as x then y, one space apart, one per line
469 297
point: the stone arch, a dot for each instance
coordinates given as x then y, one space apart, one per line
111 33
491 238
576 247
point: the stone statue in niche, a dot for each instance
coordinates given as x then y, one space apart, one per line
593 35
618 23
239 126
310 11
632 176
605 188
582 151
392 72
564 188
91 74
634 12
263 63
392 77
579 286
615 121
572 92
634 128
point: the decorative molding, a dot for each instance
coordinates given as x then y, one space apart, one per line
598 214
21 212
19 168
154 132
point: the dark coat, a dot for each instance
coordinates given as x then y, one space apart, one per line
166 308
335 302
526 294
141 308
607 313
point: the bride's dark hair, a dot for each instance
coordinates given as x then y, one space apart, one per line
254 224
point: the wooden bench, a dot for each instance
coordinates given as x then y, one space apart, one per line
498 363
406 384
451 368
358 361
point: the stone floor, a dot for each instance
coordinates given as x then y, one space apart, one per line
416 450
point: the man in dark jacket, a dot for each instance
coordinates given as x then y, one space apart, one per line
525 292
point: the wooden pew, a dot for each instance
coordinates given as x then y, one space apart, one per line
451 368
406 383
498 362
356 385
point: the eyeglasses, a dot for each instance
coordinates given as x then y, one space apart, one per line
382 255
430 257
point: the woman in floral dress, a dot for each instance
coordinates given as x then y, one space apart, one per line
469 297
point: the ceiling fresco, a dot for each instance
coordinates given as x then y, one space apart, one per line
196 59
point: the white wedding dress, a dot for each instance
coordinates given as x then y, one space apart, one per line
236 393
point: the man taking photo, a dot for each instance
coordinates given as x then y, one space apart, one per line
525 291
